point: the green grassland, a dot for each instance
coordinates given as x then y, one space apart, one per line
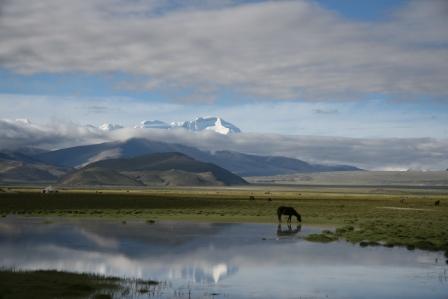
56 284
368 216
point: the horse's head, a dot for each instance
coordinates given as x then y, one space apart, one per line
299 218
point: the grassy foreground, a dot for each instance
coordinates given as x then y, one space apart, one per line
367 216
56 284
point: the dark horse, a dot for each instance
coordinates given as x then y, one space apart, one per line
289 211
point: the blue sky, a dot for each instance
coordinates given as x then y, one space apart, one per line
380 80
365 11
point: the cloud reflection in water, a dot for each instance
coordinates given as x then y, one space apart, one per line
228 257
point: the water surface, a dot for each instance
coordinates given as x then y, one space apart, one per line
205 260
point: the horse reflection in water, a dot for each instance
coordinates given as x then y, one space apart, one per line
288 211
288 231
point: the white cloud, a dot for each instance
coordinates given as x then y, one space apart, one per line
278 49
325 111
20 133
384 153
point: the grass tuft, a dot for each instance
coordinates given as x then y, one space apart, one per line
322 238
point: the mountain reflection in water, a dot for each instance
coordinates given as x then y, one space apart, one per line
240 260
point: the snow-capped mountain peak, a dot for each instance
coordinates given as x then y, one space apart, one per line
175 124
219 127
110 127
212 123
153 124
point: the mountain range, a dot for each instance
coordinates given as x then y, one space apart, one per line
238 163
84 164
211 123
16 167
161 169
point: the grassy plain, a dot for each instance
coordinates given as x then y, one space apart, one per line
358 178
368 216
56 284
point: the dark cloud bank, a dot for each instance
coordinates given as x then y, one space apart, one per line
273 49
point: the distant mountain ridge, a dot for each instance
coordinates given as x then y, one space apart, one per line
209 123
167 169
238 163
254 165
16 167
215 124
152 124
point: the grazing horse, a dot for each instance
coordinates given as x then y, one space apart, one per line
289 211
437 203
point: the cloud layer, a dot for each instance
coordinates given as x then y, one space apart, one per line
367 119
281 49
384 154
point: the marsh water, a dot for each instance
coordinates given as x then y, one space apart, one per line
210 260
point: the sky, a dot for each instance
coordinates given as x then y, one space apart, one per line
371 71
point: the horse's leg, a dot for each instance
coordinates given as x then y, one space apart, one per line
289 218
279 215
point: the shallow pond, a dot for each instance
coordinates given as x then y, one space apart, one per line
207 260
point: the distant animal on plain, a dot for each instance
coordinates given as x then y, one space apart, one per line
251 197
437 203
288 211
402 200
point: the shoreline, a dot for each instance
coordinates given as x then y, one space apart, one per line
409 219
